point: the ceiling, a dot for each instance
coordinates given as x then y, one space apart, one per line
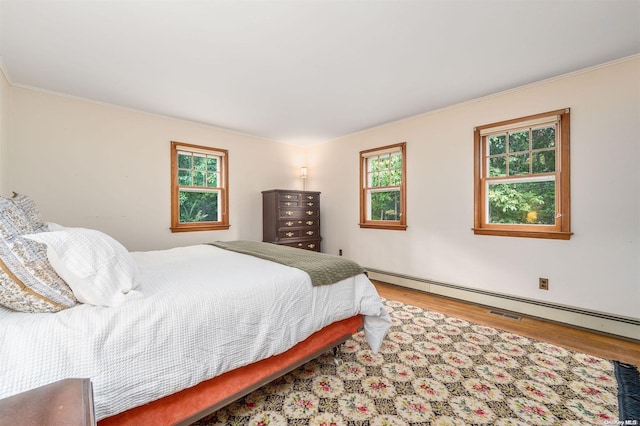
304 72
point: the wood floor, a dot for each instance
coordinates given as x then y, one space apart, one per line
581 340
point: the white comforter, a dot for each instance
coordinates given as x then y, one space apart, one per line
205 311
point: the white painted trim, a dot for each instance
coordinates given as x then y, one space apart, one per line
593 320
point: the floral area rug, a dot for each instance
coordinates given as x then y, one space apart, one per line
436 370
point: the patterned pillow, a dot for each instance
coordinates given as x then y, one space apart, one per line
28 282
30 209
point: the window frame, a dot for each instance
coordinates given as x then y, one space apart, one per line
562 227
222 188
399 225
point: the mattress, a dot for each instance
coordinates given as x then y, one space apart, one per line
204 311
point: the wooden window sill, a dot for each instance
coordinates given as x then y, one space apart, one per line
206 227
392 227
553 235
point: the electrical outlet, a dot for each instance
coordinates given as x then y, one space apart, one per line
544 283
340 252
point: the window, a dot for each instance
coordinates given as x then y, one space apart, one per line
522 177
199 188
382 187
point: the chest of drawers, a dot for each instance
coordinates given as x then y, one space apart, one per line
291 218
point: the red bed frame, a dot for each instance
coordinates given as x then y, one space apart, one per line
189 405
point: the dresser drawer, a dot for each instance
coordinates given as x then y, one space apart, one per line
304 196
298 213
289 196
283 234
313 245
306 223
289 203
301 200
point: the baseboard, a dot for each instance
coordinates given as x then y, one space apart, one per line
593 320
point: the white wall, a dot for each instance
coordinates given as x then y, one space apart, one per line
103 167
4 122
98 166
598 269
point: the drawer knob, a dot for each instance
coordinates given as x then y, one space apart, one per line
309 232
310 204
289 234
310 197
309 212
289 223
288 213
311 246
309 222
288 196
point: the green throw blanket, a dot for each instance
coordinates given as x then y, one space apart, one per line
322 268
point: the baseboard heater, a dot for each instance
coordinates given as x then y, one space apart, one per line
593 320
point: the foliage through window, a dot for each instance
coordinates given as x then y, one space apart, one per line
199 195
382 187
522 177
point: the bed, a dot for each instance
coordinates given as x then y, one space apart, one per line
197 327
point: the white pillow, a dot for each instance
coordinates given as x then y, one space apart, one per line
99 270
